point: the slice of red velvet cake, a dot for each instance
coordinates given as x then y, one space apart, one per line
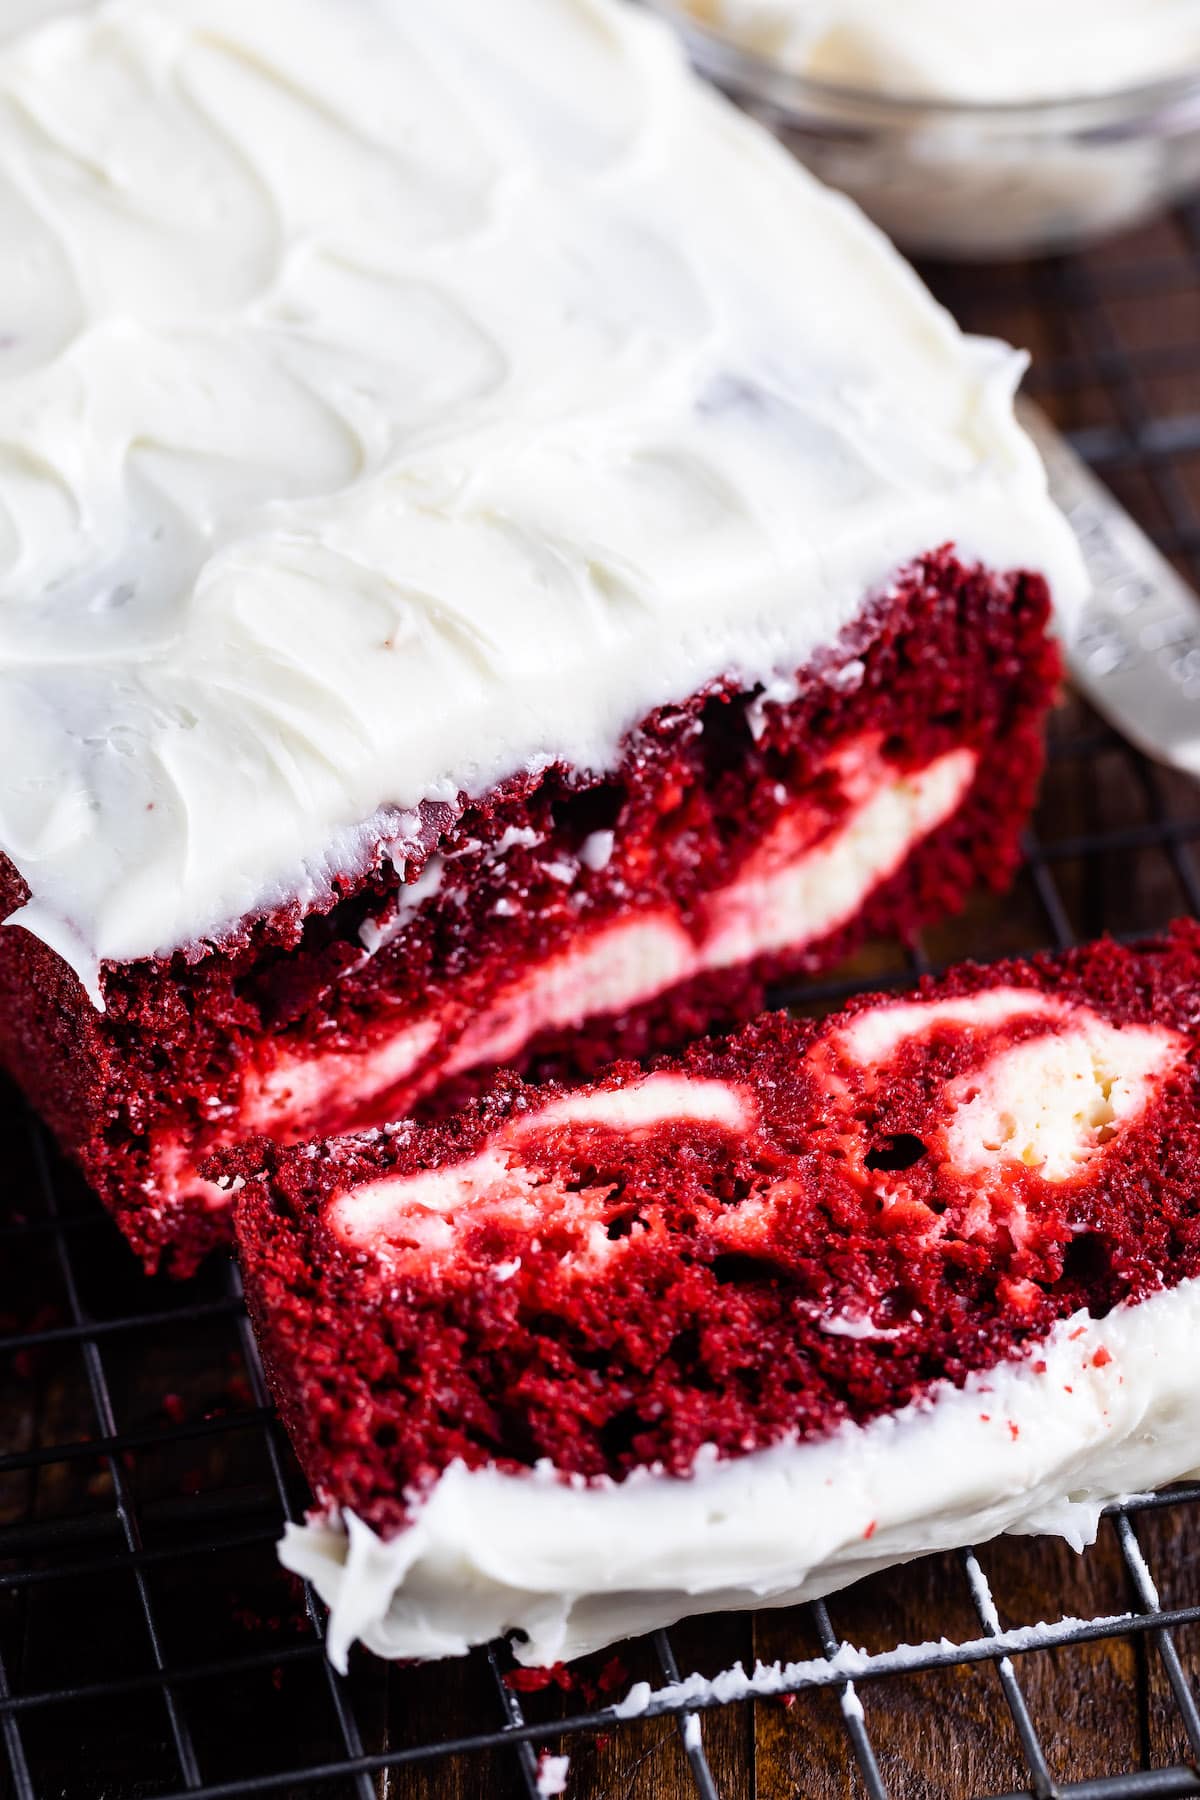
474 563
740 1328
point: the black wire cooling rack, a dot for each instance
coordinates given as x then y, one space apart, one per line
151 1646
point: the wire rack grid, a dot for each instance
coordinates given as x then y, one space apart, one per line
151 1646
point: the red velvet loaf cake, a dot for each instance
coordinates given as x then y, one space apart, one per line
476 568
740 1328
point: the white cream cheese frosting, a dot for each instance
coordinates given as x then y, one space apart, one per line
396 397
1105 1408
970 50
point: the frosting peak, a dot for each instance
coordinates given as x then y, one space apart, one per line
393 397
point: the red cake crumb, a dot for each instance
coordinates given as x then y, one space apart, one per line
806 1224
536 1681
197 1049
613 1677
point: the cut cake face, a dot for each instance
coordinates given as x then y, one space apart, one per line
577 1361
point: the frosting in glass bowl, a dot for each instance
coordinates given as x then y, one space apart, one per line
982 51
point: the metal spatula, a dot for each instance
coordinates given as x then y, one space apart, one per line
1135 653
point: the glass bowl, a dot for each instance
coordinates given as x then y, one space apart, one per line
972 180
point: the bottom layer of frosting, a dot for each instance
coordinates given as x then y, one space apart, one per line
1104 1408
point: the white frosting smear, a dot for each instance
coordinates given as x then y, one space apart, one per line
873 1036
1053 1102
413 1219
1115 1411
393 397
970 50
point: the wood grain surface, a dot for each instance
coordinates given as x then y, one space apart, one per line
1099 1709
